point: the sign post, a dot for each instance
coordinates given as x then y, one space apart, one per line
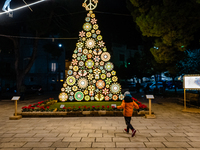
150 97
15 117
190 82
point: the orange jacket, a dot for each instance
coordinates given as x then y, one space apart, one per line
128 108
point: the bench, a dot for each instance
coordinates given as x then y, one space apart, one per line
191 99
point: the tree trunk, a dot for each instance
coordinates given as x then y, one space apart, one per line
20 74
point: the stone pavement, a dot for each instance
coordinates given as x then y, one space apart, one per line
171 130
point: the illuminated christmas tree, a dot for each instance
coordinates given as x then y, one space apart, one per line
91 75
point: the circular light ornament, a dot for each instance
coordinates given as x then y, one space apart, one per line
103 76
68 89
114 78
95 26
87 26
115 88
90 43
63 97
83 39
75 68
100 84
90 76
72 93
82 83
85 92
105 56
93 15
89 56
90 51
98 32
121 97
109 66
87 19
81 63
71 98
85 51
107 98
115 97
96 58
74 55
89 63
105 91
77 76
113 73
104 49
71 80
82 34
107 86
88 34
64 85
78 58
74 88
99 97
83 57
108 74
101 63
94 36
79 96
103 71
62 89
87 97
99 37
74 62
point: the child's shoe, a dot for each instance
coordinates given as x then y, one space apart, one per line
133 132
126 130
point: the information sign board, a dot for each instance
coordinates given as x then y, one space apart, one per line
115 105
191 82
15 98
62 106
149 96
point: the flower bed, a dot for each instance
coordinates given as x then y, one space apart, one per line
40 106
47 109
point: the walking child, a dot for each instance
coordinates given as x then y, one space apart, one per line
128 105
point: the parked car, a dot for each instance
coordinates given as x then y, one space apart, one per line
153 86
178 84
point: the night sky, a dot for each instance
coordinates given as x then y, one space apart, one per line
113 17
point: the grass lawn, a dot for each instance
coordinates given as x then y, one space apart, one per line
77 104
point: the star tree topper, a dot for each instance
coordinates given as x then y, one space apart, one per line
91 6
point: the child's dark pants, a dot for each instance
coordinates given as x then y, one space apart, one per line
129 126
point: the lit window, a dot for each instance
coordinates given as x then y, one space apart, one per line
53 67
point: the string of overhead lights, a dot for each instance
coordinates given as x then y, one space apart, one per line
39 38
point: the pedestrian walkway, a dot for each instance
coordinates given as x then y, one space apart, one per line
171 130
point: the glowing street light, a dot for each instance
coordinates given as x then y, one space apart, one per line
60 45
7 5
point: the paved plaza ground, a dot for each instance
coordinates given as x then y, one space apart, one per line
171 130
